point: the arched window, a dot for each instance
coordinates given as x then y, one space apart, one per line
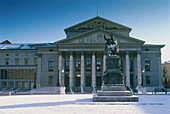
51 64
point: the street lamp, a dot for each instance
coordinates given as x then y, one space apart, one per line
143 72
62 77
164 74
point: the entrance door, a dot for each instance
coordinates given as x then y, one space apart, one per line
77 79
88 80
66 80
131 80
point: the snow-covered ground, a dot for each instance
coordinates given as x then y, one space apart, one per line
70 104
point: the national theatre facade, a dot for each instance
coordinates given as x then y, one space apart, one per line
78 61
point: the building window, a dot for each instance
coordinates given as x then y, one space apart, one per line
13 74
9 74
67 65
88 64
16 61
50 50
16 54
147 64
26 74
23 74
36 61
51 65
19 73
148 80
16 73
50 80
36 54
26 54
2 74
146 49
98 64
34 74
26 61
7 61
7 54
78 65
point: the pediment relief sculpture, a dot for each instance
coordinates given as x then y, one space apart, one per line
98 24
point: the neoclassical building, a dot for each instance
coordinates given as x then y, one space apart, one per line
78 61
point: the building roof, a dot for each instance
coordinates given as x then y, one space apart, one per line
23 46
6 42
166 62
153 45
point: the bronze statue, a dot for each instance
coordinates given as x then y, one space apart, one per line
113 74
111 46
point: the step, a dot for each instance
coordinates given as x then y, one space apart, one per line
115 98
113 88
114 93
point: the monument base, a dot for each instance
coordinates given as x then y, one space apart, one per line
114 94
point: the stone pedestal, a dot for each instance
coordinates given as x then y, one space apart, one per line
62 90
113 74
114 94
113 89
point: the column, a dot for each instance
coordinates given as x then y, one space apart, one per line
127 70
139 68
60 68
82 72
104 63
159 71
93 71
0 81
38 76
71 71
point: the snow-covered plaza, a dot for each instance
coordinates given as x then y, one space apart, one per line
81 104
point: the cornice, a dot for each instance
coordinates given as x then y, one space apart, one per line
45 46
153 45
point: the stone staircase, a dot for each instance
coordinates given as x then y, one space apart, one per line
114 94
51 89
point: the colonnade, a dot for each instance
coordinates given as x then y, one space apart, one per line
82 71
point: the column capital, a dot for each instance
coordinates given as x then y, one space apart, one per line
71 52
138 52
104 53
159 54
39 55
93 53
127 52
82 52
60 52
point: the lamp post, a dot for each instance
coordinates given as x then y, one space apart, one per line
164 72
143 72
62 80
62 88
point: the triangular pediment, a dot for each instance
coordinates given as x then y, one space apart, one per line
97 22
97 36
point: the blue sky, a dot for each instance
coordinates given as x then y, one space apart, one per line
36 21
